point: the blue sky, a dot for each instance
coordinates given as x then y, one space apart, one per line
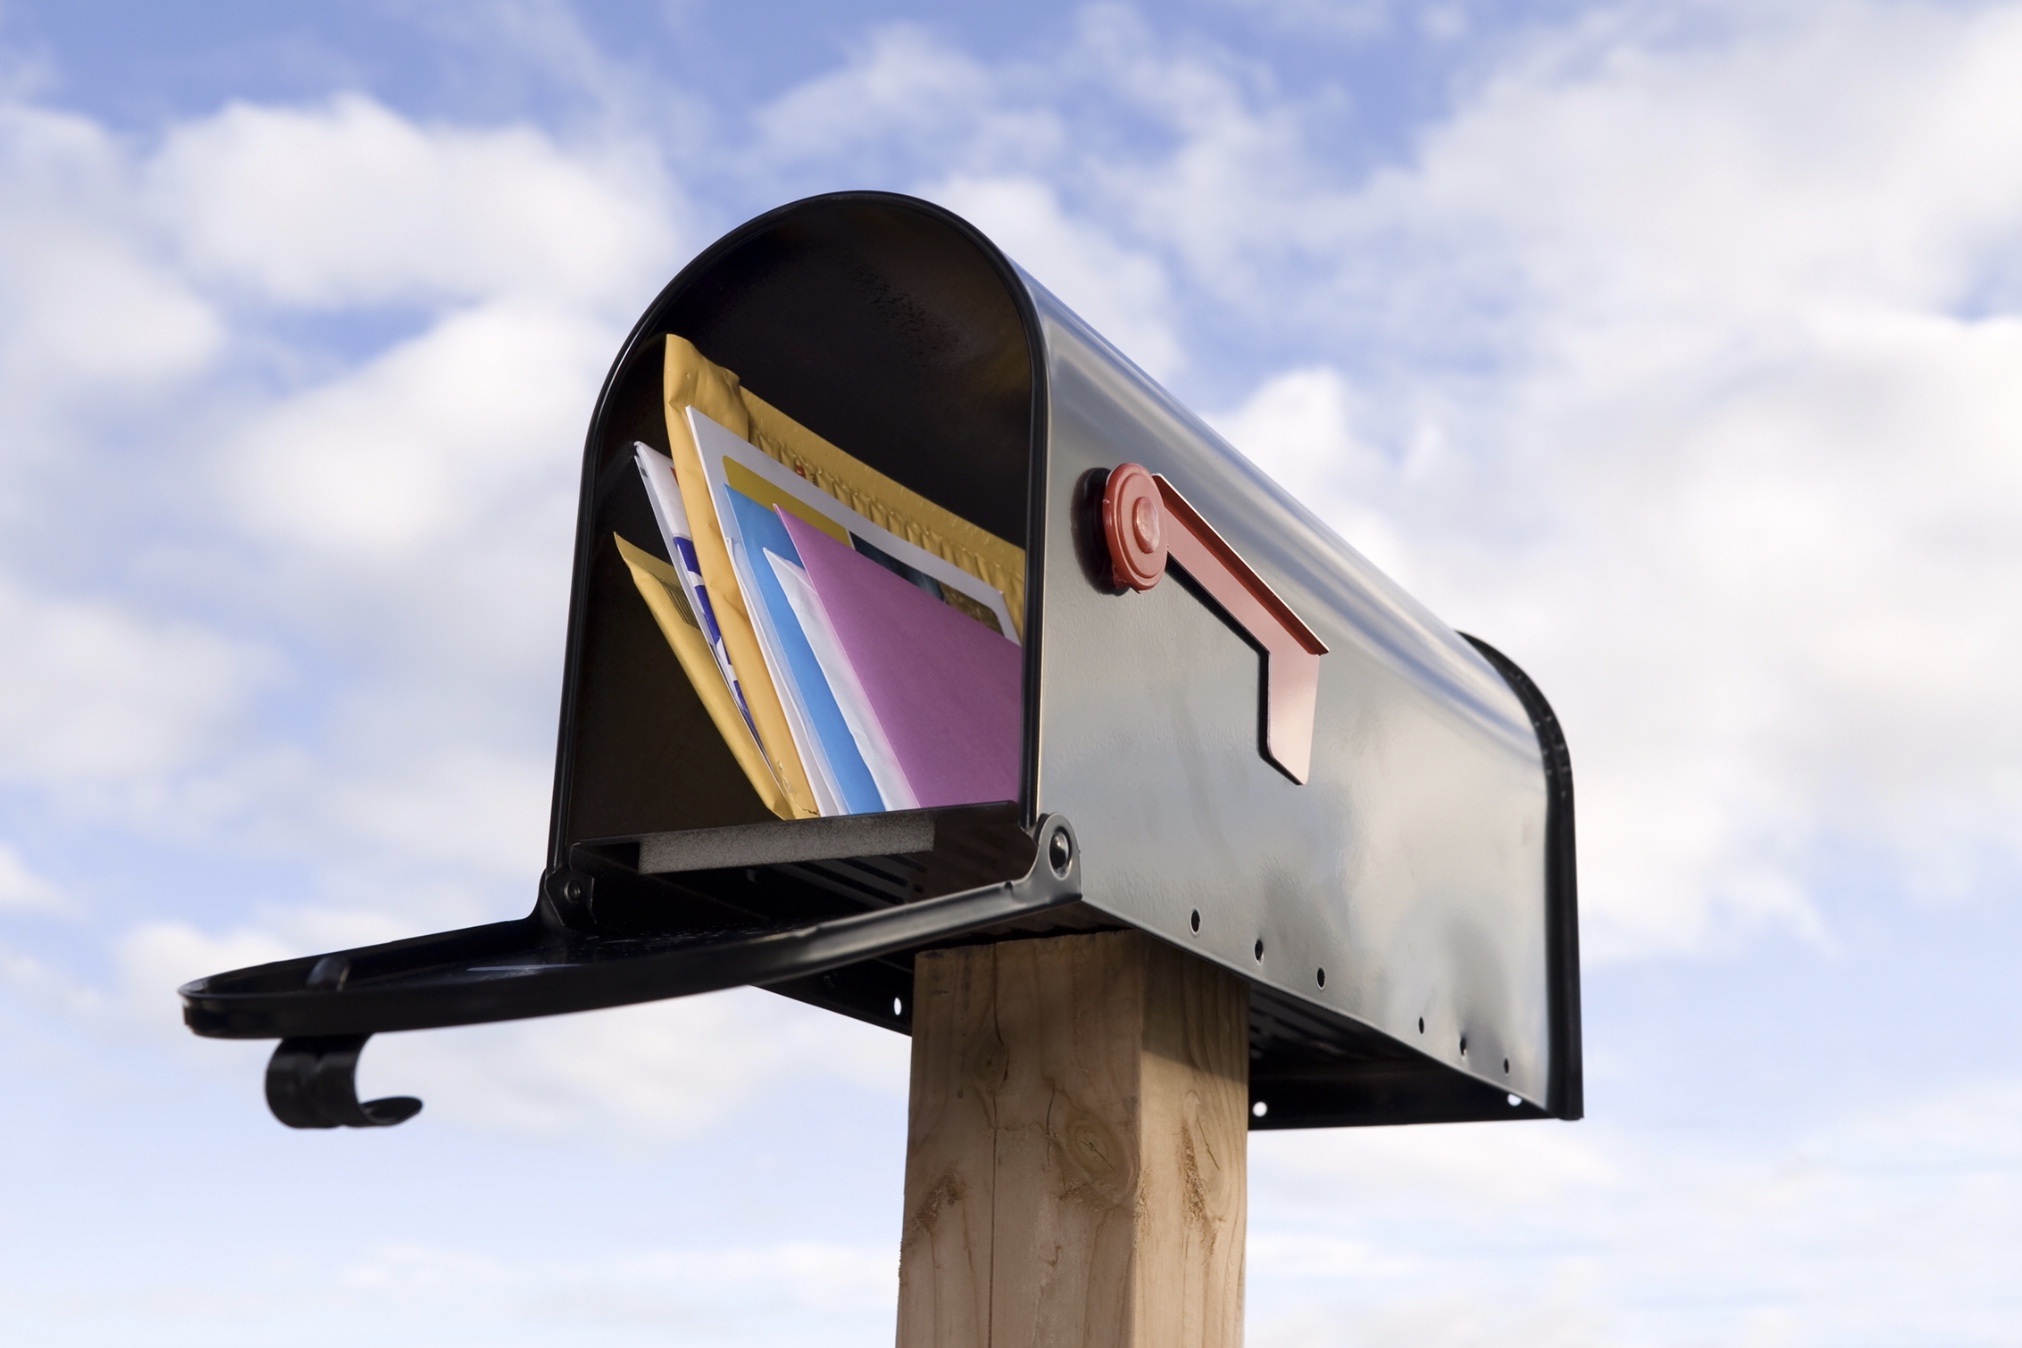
1671 347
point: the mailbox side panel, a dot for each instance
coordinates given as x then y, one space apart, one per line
1404 884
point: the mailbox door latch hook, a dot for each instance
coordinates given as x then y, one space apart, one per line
312 1082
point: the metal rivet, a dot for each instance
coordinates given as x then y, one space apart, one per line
1463 1046
1320 977
1421 1024
1515 1100
1060 852
1260 947
1505 1066
1260 1109
898 1007
572 890
1197 921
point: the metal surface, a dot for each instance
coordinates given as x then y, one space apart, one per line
1406 917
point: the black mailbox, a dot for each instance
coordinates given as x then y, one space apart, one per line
1236 734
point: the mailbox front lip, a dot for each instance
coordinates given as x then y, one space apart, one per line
543 965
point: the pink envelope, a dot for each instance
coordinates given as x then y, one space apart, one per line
946 689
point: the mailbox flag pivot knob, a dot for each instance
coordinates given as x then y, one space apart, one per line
1133 525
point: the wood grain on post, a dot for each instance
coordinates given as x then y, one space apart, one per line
1075 1160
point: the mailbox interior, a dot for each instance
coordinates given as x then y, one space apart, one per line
904 338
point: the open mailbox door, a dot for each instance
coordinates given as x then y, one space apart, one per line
1225 727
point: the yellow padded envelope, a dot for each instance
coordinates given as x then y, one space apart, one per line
660 586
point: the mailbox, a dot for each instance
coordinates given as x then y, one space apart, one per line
1228 729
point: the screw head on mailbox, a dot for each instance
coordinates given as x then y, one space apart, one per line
1279 761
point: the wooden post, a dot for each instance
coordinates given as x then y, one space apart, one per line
1076 1148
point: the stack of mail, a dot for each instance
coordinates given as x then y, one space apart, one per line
852 670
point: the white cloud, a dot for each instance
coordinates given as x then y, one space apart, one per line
1896 1225
355 204
790 1291
1333 18
91 694
1485 1168
440 439
22 889
50 987
901 83
478 813
85 298
488 1292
